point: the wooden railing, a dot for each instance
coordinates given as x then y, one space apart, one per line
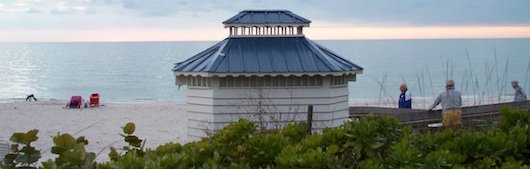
420 119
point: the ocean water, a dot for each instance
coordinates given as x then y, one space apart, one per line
141 71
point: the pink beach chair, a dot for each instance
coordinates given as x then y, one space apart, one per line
75 102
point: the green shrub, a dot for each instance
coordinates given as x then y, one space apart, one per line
368 138
512 117
295 132
24 157
71 152
316 158
262 149
404 154
168 148
370 142
229 142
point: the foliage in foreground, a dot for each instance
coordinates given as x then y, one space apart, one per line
370 142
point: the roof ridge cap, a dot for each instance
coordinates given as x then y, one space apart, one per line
322 55
216 55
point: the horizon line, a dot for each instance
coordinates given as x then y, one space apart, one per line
353 39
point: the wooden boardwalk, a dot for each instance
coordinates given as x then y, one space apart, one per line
420 119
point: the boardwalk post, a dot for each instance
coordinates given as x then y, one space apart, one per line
309 118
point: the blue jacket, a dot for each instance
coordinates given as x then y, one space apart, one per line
405 101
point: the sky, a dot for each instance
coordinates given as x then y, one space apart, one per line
197 20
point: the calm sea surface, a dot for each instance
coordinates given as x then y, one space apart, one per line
138 71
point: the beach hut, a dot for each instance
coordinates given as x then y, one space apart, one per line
266 70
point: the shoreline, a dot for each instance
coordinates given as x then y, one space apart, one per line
384 101
141 101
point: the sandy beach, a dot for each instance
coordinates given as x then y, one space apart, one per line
159 122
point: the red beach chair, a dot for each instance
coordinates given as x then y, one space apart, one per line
94 99
75 102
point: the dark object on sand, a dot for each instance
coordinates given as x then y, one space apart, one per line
30 96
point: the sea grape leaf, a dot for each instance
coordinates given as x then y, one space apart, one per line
129 128
18 138
58 150
10 157
25 138
77 155
133 140
31 135
82 139
28 159
64 140
28 150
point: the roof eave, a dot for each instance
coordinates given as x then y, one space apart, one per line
273 74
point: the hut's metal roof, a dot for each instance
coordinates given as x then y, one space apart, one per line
266 17
266 56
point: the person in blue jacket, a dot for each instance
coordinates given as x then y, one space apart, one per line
405 100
